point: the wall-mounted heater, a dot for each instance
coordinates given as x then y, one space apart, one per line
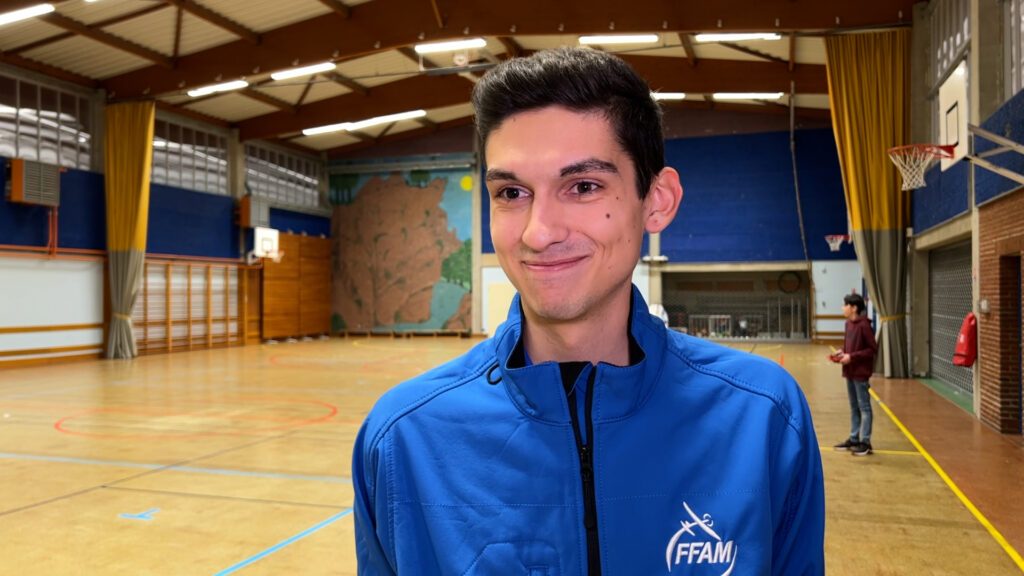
35 182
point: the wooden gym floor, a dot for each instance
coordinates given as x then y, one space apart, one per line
237 460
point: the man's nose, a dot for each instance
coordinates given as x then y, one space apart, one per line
547 223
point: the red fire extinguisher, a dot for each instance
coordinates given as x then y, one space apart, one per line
967 342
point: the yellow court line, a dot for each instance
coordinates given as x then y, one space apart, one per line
1016 557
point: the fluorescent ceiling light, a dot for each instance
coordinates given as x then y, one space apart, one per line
225 87
668 95
737 37
747 95
620 39
451 46
25 13
353 126
304 71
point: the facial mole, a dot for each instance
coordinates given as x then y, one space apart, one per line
607 215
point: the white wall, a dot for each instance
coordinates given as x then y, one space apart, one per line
498 291
36 292
833 279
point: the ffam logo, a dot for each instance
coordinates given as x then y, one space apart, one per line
688 547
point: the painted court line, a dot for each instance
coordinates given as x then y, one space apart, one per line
284 543
172 468
1009 549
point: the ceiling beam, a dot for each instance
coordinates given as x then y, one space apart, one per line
664 74
437 14
100 24
387 24
426 92
341 151
195 115
512 48
752 52
792 51
338 7
411 93
691 55
102 37
348 83
217 19
51 71
267 99
178 16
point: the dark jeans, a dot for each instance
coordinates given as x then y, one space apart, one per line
860 410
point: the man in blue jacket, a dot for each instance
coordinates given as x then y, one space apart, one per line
585 438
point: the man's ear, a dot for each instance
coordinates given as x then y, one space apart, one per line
662 200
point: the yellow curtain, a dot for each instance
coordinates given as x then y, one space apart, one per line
128 160
869 93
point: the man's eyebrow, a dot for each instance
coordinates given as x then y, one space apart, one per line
589 165
498 174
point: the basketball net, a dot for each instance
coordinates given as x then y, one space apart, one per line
835 241
913 161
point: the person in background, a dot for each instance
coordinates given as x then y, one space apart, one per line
858 359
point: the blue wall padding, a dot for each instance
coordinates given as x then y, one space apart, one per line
188 223
81 215
82 219
740 204
943 197
739 201
1008 122
296 223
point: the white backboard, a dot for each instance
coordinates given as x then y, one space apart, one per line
952 114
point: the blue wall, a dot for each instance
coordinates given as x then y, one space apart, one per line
297 223
943 197
81 218
1007 122
739 203
181 222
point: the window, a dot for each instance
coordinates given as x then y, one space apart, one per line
43 123
284 178
189 157
1014 44
950 36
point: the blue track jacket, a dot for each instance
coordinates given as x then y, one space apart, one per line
694 460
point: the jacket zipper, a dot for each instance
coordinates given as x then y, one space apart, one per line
586 455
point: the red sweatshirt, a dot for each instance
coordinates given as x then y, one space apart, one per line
860 345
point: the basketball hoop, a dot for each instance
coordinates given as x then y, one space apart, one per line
835 241
913 160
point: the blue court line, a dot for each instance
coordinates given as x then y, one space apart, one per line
284 543
193 469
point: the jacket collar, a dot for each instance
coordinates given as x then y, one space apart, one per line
618 390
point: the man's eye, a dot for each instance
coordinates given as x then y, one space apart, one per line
585 187
510 193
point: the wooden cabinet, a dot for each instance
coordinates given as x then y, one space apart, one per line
297 290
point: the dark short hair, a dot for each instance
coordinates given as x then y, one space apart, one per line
855 300
581 80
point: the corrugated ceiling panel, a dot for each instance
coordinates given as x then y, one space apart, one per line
811 50
544 42
323 90
176 98
263 15
450 112
812 101
198 34
87 57
232 107
379 69
89 13
715 51
326 141
154 31
25 32
663 51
